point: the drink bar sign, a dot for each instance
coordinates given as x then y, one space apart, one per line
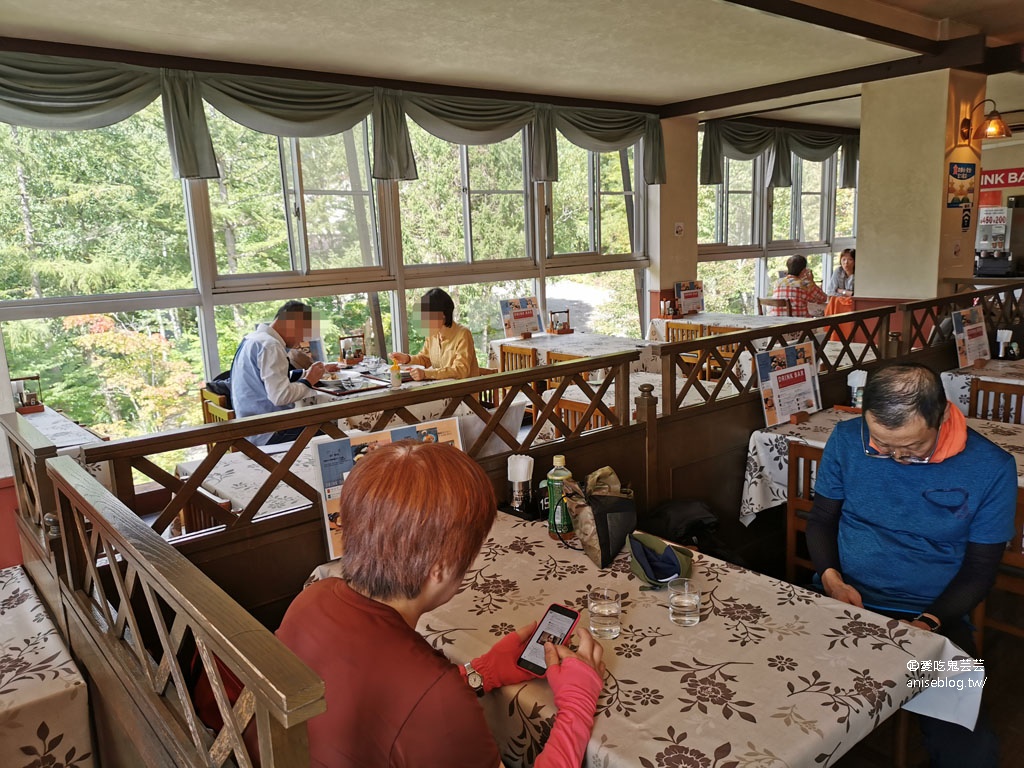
1002 178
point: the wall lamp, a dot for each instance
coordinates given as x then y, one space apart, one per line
992 127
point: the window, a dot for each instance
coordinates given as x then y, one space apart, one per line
845 206
122 373
339 227
797 211
729 285
468 204
335 316
476 307
598 302
594 201
725 212
90 212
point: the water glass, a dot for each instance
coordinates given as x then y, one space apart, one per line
605 605
683 602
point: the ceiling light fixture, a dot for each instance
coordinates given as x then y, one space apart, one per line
992 127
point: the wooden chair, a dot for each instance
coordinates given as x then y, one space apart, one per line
215 407
515 358
726 351
996 401
775 303
676 331
572 412
488 397
803 460
558 357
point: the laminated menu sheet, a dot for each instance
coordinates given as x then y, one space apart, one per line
333 459
788 380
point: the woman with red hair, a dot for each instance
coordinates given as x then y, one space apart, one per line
392 700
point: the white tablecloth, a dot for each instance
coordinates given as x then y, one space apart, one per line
773 675
656 331
766 478
69 438
44 702
957 383
582 345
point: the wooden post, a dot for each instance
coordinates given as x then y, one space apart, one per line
647 414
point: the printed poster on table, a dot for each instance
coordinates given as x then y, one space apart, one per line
788 380
960 185
690 297
971 337
333 459
520 316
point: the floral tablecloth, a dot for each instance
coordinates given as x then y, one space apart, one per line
766 477
773 675
69 438
957 383
583 345
44 702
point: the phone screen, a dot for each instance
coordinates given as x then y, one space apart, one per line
556 625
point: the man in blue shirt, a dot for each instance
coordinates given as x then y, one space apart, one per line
260 380
912 513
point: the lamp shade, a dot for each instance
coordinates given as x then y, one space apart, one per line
993 127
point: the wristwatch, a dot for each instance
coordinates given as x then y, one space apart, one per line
924 618
475 680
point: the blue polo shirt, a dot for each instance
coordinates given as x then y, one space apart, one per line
904 528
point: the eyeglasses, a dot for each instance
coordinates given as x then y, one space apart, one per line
871 453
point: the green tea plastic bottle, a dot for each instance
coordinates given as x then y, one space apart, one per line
559 522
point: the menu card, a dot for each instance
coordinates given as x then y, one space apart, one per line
788 380
690 297
971 337
520 316
333 459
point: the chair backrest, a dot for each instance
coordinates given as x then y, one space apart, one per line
559 357
513 358
215 407
803 462
776 304
676 331
996 401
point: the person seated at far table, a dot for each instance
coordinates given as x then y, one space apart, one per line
911 515
261 380
799 287
448 351
414 516
841 282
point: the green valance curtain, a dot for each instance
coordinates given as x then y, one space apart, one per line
745 141
69 94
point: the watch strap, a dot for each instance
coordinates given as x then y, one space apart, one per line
931 621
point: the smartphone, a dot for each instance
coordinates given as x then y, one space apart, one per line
556 626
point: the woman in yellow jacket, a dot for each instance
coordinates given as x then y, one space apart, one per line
448 351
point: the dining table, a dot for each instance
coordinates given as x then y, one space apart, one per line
69 438
772 674
657 330
581 345
957 382
44 700
765 480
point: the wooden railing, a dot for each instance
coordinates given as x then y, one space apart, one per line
683 364
131 456
140 613
928 323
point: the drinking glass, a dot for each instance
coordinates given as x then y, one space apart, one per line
683 602
605 605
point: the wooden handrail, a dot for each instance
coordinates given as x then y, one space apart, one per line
316 415
147 583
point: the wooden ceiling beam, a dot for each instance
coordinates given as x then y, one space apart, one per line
836 21
962 53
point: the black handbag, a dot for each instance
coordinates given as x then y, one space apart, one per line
603 515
